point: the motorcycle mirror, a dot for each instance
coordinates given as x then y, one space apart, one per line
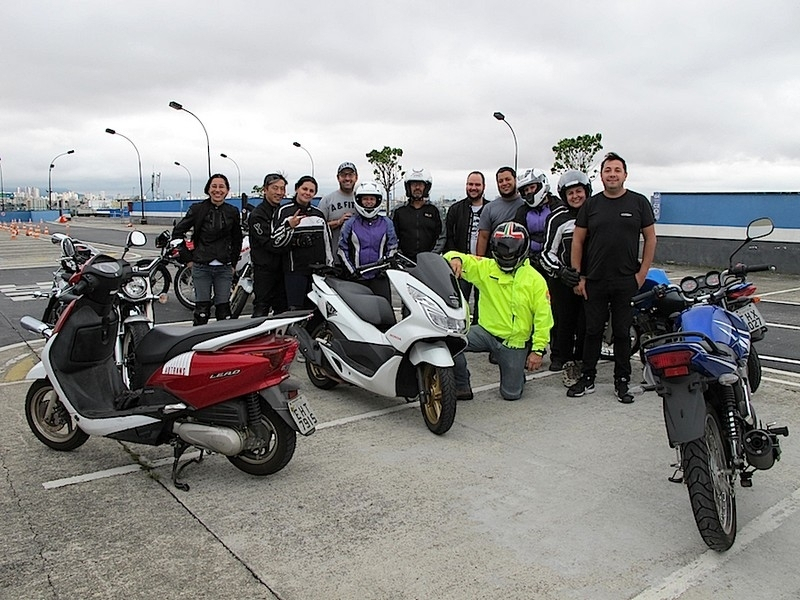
760 228
136 238
67 247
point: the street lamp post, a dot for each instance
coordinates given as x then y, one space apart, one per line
190 177
139 158
311 158
178 106
2 189
501 117
238 172
50 184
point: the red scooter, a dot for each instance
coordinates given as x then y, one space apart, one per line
222 387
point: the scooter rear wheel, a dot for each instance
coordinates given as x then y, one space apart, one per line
711 486
438 401
49 420
278 451
317 375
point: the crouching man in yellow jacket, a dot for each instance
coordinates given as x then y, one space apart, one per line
514 316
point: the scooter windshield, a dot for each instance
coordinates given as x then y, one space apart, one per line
432 270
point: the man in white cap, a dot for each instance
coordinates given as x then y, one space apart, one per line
339 205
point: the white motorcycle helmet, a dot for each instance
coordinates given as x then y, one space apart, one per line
368 188
418 175
539 195
573 178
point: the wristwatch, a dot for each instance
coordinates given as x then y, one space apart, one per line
541 352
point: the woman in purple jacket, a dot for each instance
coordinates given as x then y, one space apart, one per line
367 238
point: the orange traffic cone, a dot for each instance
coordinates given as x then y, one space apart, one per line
46 230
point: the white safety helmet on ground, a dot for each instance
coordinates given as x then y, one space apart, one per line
538 178
368 188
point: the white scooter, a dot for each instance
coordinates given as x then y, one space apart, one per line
354 336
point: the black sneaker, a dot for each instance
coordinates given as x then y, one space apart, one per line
556 365
622 393
584 385
465 394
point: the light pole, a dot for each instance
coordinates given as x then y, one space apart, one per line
501 117
178 106
50 184
238 172
297 145
139 158
190 177
2 189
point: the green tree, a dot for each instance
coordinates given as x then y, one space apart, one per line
577 153
387 169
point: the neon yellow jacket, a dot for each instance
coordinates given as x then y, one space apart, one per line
514 307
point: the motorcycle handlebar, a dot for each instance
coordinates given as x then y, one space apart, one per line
651 293
745 269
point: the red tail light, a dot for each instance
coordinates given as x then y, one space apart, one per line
745 291
278 352
673 363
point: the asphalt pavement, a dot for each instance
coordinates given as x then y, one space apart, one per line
548 497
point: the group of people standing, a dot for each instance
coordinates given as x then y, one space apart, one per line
543 269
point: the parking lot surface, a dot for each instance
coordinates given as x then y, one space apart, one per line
547 497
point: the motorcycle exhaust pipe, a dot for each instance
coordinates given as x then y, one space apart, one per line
216 439
760 449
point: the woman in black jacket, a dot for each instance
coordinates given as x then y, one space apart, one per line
217 238
301 230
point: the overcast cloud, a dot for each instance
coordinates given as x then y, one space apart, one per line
697 96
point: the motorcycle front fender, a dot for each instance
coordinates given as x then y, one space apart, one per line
432 353
684 409
37 372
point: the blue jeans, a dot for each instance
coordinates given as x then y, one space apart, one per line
206 276
510 360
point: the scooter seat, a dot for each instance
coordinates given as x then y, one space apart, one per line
373 309
167 341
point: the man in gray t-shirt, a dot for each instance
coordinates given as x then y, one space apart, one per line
500 210
338 206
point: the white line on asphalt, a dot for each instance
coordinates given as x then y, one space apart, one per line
696 571
780 372
788 361
797 289
787 302
59 483
781 326
781 381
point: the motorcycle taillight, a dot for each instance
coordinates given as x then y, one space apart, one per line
278 352
671 363
748 290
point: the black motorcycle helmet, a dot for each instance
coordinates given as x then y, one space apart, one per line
509 245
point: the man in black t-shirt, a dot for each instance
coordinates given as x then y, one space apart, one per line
605 251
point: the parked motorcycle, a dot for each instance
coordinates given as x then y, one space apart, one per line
220 388
74 255
354 336
700 370
174 253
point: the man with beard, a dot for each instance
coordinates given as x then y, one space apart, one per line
461 227
339 205
605 252
418 223
501 210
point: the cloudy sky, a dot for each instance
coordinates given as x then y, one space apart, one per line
697 96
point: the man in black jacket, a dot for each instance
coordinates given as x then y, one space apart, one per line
461 227
418 223
268 285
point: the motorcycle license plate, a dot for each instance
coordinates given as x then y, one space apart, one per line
751 316
303 415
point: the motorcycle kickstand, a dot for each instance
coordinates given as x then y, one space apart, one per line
676 478
180 447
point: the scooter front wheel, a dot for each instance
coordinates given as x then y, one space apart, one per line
49 420
438 398
275 453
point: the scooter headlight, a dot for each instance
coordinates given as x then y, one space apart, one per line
135 288
435 314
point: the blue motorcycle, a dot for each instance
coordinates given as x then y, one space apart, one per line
700 370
